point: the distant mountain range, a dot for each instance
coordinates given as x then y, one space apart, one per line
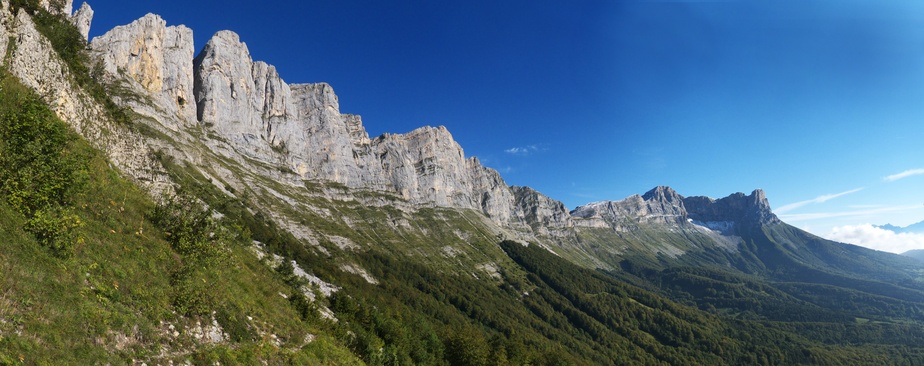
913 228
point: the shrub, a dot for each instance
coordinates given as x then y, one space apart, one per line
191 229
198 237
56 230
42 167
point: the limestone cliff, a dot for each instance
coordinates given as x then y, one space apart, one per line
82 19
251 114
58 7
663 205
157 60
750 210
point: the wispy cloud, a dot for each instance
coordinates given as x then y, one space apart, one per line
904 174
876 238
525 150
856 213
819 199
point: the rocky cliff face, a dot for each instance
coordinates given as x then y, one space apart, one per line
58 7
83 18
751 210
158 60
248 107
34 62
662 205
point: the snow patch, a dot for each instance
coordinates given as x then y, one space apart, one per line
720 226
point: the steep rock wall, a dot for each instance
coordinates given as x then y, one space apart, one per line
663 205
248 106
158 59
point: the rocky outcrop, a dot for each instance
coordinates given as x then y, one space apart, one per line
33 60
751 210
226 94
82 19
58 7
5 18
662 205
539 210
157 61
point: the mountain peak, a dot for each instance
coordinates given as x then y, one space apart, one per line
662 194
753 209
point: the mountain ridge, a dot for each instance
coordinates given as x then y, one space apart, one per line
912 228
299 126
334 247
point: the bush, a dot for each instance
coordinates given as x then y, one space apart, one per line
56 230
42 167
191 295
192 230
198 237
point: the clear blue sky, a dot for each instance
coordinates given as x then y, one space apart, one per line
816 102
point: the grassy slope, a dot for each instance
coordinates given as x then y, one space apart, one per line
112 299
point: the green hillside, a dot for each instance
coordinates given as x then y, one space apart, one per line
95 271
90 277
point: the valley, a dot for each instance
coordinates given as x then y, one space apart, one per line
159 206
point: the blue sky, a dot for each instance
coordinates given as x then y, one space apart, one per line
816 102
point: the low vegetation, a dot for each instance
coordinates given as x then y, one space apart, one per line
96 272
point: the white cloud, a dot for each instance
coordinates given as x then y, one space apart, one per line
875 238
524 151
819 199
904 174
